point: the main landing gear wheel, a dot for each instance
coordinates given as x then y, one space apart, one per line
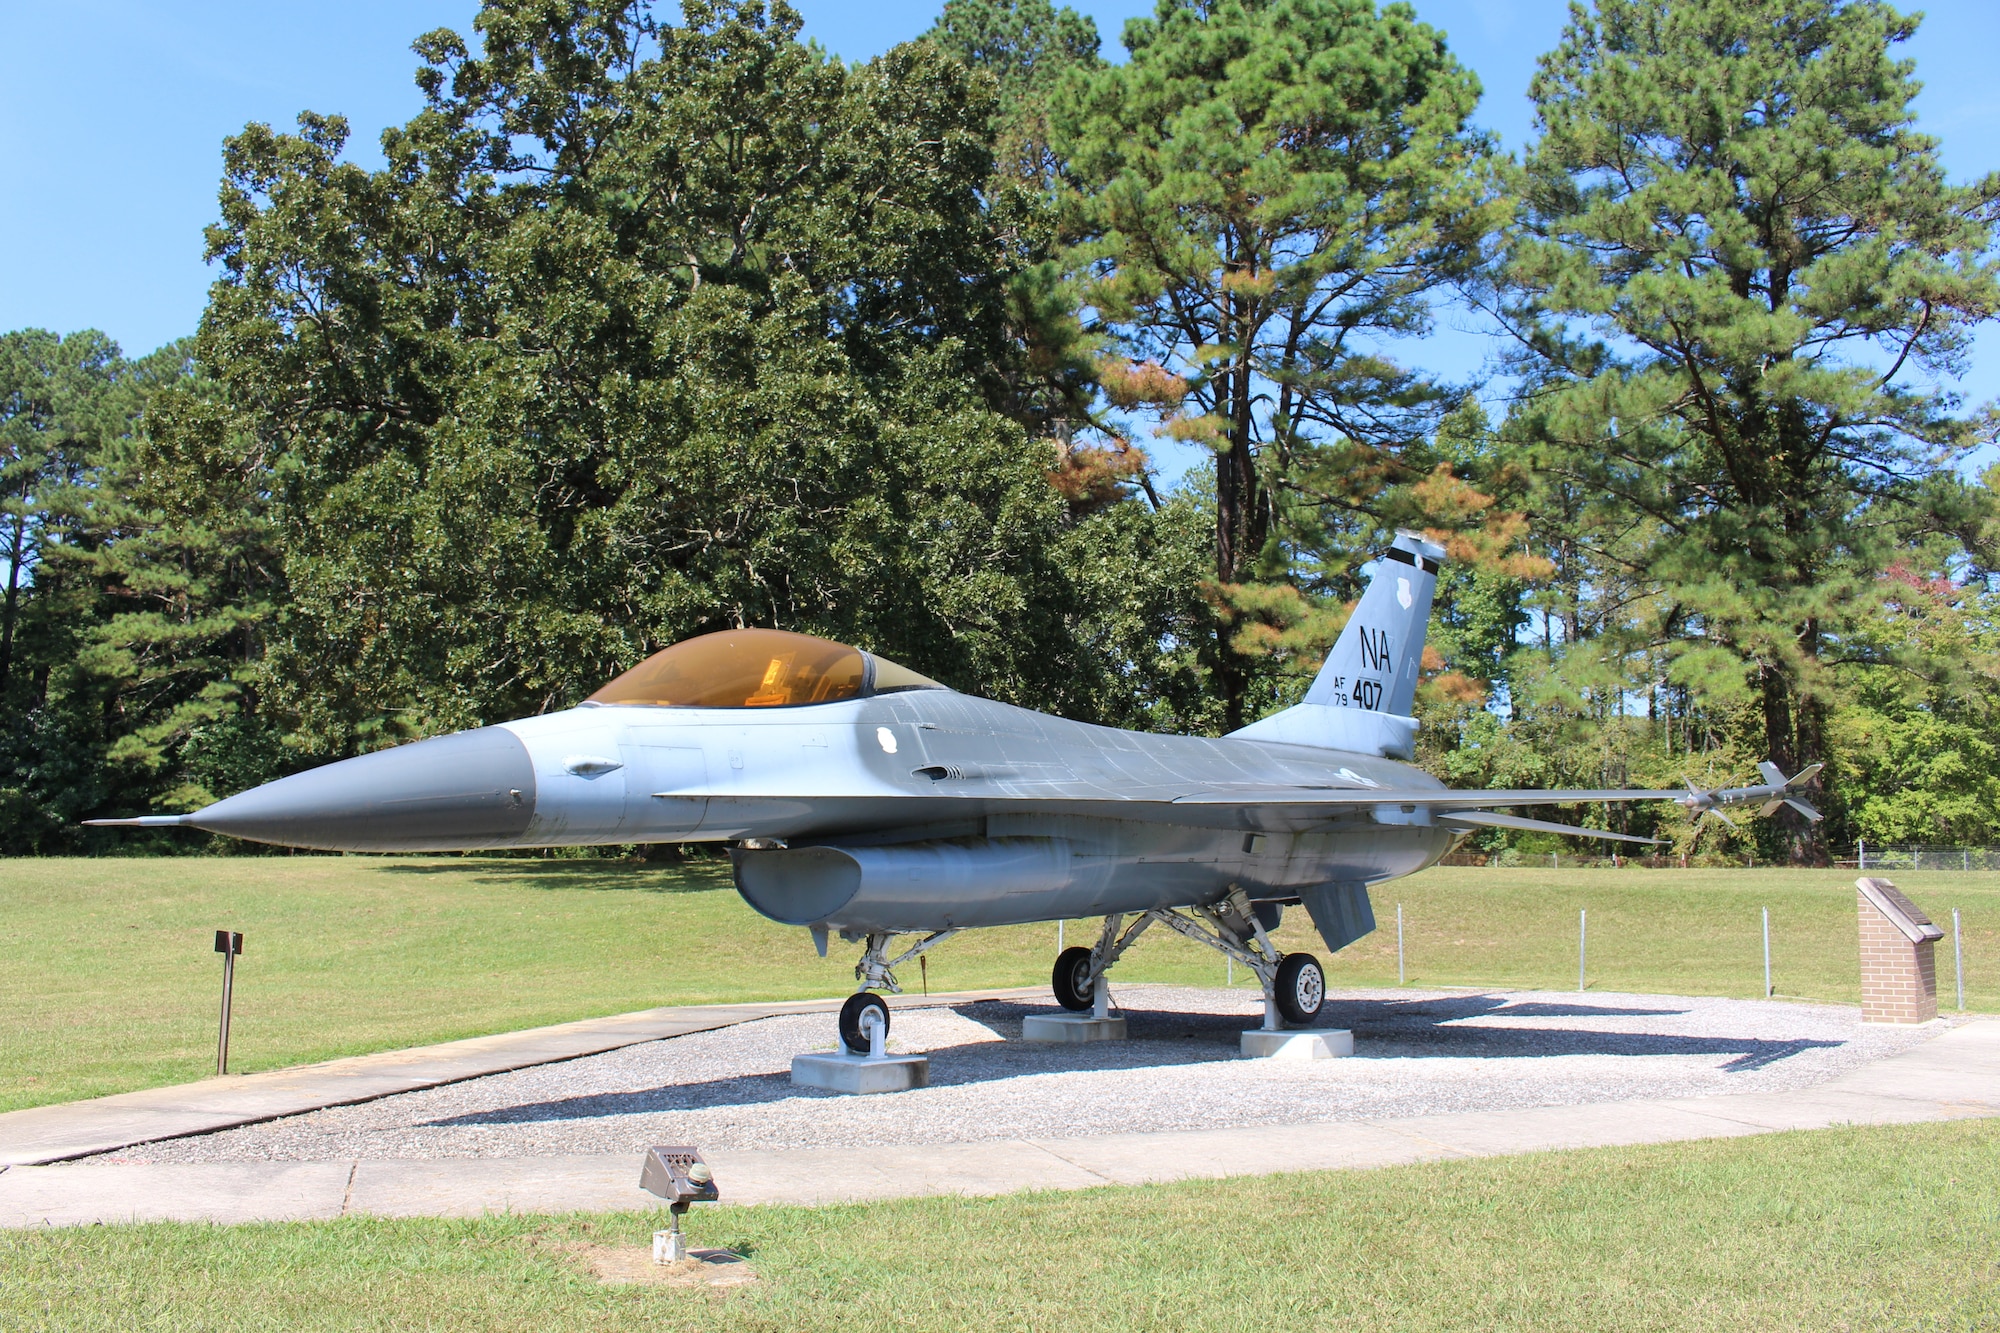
852 1035
1300 988
1072 979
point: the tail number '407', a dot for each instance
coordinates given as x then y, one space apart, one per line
1368 694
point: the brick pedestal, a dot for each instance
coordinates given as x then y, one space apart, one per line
1898 972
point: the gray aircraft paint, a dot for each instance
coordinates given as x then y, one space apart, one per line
926 809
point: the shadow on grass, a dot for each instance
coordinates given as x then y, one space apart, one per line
576 873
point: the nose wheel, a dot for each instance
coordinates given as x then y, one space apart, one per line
861 1012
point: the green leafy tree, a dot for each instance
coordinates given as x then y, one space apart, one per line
1026 45
1918 761
1260 196
1750 269
644 330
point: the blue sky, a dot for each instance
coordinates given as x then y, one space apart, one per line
112 115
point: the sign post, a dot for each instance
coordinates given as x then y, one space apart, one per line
228 944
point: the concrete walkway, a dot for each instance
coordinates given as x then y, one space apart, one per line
70 1130
1953 1076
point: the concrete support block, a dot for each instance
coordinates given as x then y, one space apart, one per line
861 1073
1071 1027
1320 1044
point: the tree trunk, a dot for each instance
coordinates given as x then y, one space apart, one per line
1808 840
13 602
1793 740
1238 531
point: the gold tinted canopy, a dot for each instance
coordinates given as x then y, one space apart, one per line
757 668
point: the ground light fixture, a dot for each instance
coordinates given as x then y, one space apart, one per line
676 1173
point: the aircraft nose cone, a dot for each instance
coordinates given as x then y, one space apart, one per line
451 793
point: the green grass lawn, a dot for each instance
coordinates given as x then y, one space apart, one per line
1843 1229
111 983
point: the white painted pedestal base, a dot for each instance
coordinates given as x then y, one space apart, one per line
1319 1044
1071 1027
861 1073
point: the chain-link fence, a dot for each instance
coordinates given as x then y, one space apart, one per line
1867 856
1864 857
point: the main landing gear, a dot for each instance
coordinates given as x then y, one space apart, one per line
1080 988
1294 984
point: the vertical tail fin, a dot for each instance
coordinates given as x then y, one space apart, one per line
1362 698
1374 665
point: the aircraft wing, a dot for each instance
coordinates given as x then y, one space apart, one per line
1437 798
1489 819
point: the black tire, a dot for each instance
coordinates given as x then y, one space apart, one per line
1301 987
1071 980
851 1035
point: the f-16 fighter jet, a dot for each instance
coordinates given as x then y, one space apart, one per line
864 801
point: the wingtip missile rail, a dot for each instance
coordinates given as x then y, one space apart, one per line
1768 797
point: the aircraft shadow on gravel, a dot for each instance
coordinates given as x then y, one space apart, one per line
1161 1038
1436 1027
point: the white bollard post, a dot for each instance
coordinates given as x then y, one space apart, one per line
1767 953
1958 958
1059 944
1582 942
1400 977
1861 855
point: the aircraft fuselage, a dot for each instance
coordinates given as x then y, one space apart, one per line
920 810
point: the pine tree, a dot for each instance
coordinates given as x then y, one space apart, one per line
1749 270
1264 192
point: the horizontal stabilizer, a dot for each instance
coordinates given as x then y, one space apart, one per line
1492 819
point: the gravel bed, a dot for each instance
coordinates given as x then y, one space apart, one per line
1417 1053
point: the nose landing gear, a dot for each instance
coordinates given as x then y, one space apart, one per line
862 1063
